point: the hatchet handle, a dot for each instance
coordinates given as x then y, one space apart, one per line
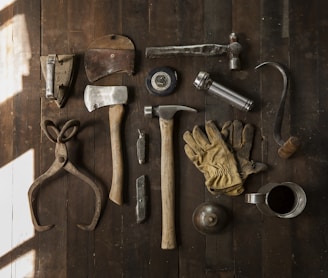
115 119
167 184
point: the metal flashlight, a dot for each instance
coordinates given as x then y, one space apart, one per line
203 82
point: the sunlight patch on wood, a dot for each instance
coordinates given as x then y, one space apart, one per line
15 180
15 54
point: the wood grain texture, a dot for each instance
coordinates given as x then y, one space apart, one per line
167 184
189 192
252 245
116 113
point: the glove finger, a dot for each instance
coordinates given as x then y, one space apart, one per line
247 141
190 153
214 135
226 132
200 138
189 139
230 191
252 168
236 191
259 167
214 192
237 129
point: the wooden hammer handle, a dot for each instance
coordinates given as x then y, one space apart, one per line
115 118
167 184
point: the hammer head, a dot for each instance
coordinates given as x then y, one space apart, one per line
165 111
234 50
99 96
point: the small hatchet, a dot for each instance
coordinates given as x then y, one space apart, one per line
114 97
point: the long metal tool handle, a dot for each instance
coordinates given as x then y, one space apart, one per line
186 50
290 146
167 184
115 119
50 76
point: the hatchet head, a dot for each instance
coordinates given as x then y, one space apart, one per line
100 96
107 55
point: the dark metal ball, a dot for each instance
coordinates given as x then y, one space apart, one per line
209 218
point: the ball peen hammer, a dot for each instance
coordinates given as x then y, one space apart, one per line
166 114
114 97
233 50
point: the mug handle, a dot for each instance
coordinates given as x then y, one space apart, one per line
255 198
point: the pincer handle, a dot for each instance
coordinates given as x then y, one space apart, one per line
57 135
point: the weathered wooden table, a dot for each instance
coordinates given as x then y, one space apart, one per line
293 33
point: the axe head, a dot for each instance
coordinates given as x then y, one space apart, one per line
100 96
107 55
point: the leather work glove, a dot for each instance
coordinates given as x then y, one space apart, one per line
211 155
241 140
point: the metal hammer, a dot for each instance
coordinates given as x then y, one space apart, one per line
233 49
165 114
114 97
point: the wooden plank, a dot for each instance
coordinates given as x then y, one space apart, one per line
308 117
7 50
81 198
137 239
274 47
26 38
20 127
247 220
189 181
103 247
321 150
162 30
7 127
52 202
219 258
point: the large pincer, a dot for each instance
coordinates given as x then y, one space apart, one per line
60 137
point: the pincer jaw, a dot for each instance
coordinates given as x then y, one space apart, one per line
44 228
95 218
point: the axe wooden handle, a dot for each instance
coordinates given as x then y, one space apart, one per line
167 184
115 118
